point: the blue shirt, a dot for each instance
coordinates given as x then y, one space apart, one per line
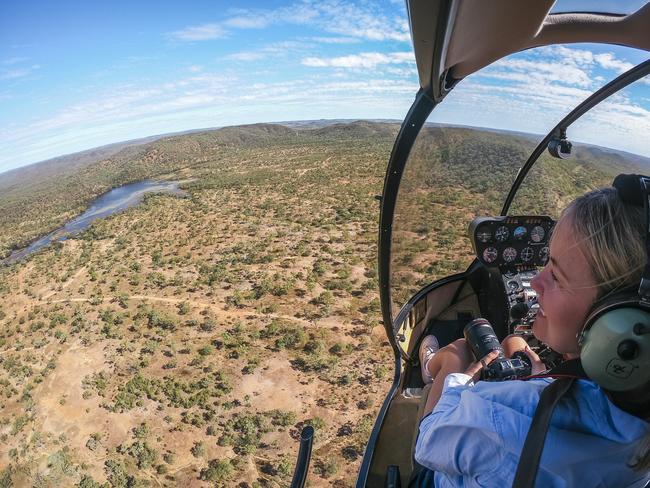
475 434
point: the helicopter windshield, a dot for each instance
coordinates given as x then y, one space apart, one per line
457 172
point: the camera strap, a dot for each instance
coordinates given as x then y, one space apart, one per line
531 453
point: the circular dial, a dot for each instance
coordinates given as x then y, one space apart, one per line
484 235
490 254
520 232
543 255
502 233
527 254
509 254
537 233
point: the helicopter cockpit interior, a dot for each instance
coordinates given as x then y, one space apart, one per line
467 214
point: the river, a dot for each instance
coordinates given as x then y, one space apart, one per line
111 202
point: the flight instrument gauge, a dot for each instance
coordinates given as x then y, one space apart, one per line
509 254
543 255
490 254
502 233
527 254
520 232
537 233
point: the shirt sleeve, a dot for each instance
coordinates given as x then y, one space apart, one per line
459 438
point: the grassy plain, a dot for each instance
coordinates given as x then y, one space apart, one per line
186 341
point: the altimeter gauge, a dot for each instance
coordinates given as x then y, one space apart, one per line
537 233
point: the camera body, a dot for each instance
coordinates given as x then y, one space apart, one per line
481 338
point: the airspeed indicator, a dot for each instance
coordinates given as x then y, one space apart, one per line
502 233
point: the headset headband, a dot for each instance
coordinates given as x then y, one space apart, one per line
635 190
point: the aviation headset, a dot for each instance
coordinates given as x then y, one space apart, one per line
615 340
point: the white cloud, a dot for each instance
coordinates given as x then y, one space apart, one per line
361 60
248 22
195 68
349 21
566 55
335 40
246 56
14 60
361 20
203 32
609 61
13 73
552 71
276 49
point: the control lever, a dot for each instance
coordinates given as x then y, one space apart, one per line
304 456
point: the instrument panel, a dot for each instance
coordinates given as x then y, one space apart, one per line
511 242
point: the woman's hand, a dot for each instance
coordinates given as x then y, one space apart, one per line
537 366
474 369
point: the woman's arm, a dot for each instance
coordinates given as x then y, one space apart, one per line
453 358
459 438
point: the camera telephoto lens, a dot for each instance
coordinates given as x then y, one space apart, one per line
481 338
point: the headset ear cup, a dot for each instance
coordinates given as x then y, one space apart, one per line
611 352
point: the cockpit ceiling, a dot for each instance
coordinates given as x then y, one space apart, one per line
463 36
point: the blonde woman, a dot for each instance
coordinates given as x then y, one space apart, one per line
473 432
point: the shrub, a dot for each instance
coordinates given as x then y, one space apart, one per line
282 419
141 431
205 350
217 470
117 475
87 482
198 449
144 455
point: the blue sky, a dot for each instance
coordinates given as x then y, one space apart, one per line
77 74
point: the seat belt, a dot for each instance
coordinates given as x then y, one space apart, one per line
531 453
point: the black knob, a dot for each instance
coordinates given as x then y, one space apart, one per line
628 349
641 329
519 310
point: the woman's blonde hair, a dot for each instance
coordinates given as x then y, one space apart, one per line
612 234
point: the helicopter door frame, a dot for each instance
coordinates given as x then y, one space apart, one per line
413 123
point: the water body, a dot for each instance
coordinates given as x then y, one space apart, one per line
114 201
